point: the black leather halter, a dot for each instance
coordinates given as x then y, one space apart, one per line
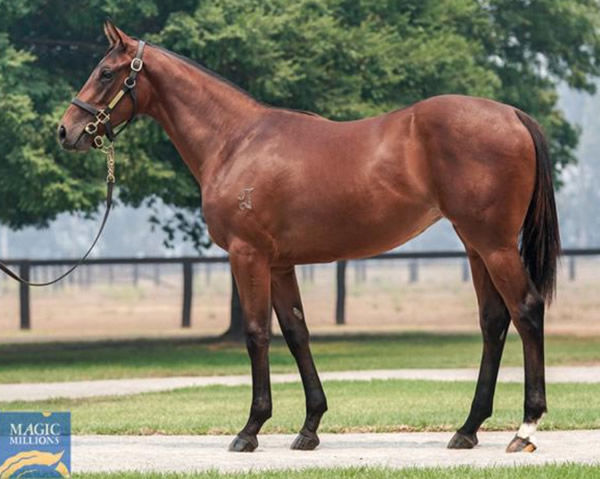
103 116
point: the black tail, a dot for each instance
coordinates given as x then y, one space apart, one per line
540 238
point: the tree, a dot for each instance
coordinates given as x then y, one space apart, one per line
340 58
580 225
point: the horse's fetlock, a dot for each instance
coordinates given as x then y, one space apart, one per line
261 409
316 404
535 407
483 409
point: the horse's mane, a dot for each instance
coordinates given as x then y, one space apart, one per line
221 79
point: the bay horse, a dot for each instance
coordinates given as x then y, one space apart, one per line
282 188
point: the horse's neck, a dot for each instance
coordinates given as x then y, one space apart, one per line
200 113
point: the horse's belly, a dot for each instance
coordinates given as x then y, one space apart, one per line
352 236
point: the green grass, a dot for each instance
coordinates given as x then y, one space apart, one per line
146 358
377 406
567 471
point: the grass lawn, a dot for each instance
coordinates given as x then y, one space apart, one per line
376 406
145 358
570 471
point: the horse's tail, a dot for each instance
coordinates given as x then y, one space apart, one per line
540 237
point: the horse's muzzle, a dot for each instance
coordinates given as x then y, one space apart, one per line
70 141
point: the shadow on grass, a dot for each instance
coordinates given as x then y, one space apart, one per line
60 361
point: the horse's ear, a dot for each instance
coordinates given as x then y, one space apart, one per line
113 34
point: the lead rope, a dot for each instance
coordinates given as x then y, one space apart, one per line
101 117
109 151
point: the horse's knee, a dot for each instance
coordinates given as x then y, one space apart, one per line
257 337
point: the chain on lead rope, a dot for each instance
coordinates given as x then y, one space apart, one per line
101 117
109 151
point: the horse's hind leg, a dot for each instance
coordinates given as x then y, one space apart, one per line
526 308
288 306
494 320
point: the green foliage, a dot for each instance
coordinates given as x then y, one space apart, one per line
344 59
37 180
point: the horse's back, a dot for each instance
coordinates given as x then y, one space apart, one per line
317 183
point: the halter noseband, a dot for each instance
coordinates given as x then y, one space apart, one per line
103 116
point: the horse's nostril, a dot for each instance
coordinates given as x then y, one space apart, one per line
62 133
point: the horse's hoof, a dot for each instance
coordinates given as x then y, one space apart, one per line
460 440
243 443
518 444
305 441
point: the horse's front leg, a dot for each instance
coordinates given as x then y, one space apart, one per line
253 277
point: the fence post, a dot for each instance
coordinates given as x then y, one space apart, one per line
465 271
24 269
340 306
157 274
359 271
188 278
308 273
413 269
363 271
572 269
88 275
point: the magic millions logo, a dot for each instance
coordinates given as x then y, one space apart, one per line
35 444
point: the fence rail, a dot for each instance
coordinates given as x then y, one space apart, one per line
24 268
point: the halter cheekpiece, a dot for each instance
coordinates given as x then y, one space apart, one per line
103 116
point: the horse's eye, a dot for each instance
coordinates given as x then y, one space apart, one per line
106 75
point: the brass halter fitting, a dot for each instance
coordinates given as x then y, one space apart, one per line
92 128
136 64
103 116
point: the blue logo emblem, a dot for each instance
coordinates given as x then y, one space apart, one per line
35 444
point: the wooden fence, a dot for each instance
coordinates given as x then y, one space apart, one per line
24 266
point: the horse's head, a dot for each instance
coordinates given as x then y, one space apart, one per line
109 97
